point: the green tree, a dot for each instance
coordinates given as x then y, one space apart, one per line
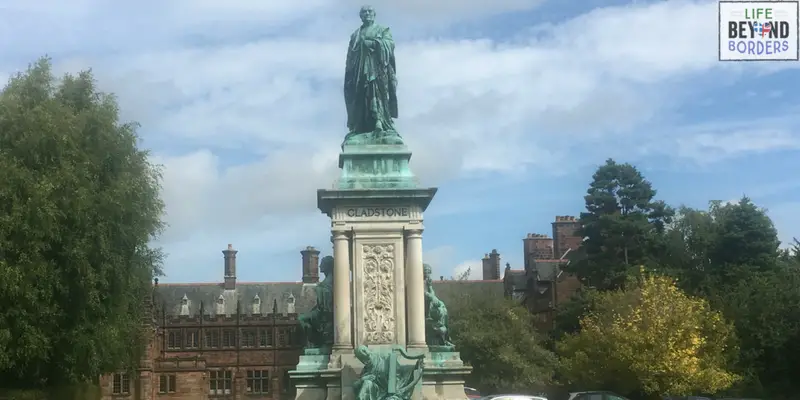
496 337
729 255
650 339
765 308
727 243
790 257
745 237
569 313
80 206
620 225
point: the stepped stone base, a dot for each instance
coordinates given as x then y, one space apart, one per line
375 167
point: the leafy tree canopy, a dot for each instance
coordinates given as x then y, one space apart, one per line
496 337
619 225
651 340
80 205
765 308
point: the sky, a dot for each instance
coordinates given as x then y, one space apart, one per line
508 106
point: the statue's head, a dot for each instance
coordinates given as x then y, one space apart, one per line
427 270
326 265
367 14
362 354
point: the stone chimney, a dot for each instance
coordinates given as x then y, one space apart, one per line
537 247
565 235
491 265
230 267
310 265
494 262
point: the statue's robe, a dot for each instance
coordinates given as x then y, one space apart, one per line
370 81
374 381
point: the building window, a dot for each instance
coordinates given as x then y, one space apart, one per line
282 337
228 338
258 382
220 383
212 339
192 339
294 337
248 338
173 340
265 337
121 384
167 383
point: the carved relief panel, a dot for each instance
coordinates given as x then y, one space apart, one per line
378 280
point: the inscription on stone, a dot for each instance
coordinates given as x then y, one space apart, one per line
377 212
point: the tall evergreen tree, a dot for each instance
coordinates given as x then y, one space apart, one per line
621 221
80 206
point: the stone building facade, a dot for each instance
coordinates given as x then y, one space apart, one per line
232 340
542 284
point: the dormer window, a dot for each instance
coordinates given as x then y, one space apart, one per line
185 305
256 305
290 305
220 305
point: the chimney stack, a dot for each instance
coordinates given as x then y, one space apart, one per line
494 265
565 235
537 247
230 267
485 267
310 265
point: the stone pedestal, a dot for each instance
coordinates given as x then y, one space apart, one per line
376 209
443 376
383 228
314 380
375 166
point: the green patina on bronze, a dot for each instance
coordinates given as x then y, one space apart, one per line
317 324
370 84
383 377
374 155
436 318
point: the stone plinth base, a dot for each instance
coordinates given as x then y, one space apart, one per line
443 376
314 379
375 167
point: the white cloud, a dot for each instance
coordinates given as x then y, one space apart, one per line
709 147
472 266
242 102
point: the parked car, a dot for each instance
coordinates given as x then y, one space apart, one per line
472 393
596 395
512 397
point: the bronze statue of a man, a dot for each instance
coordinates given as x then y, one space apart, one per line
317 324
370 84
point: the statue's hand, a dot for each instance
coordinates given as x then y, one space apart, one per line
370 43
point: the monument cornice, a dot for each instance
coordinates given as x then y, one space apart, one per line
327 199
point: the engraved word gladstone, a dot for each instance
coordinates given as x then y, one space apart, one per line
377 212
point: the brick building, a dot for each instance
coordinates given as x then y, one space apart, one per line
542 285
233 340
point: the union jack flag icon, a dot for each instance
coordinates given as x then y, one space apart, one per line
765 28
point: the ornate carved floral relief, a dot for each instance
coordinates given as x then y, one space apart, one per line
379 319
